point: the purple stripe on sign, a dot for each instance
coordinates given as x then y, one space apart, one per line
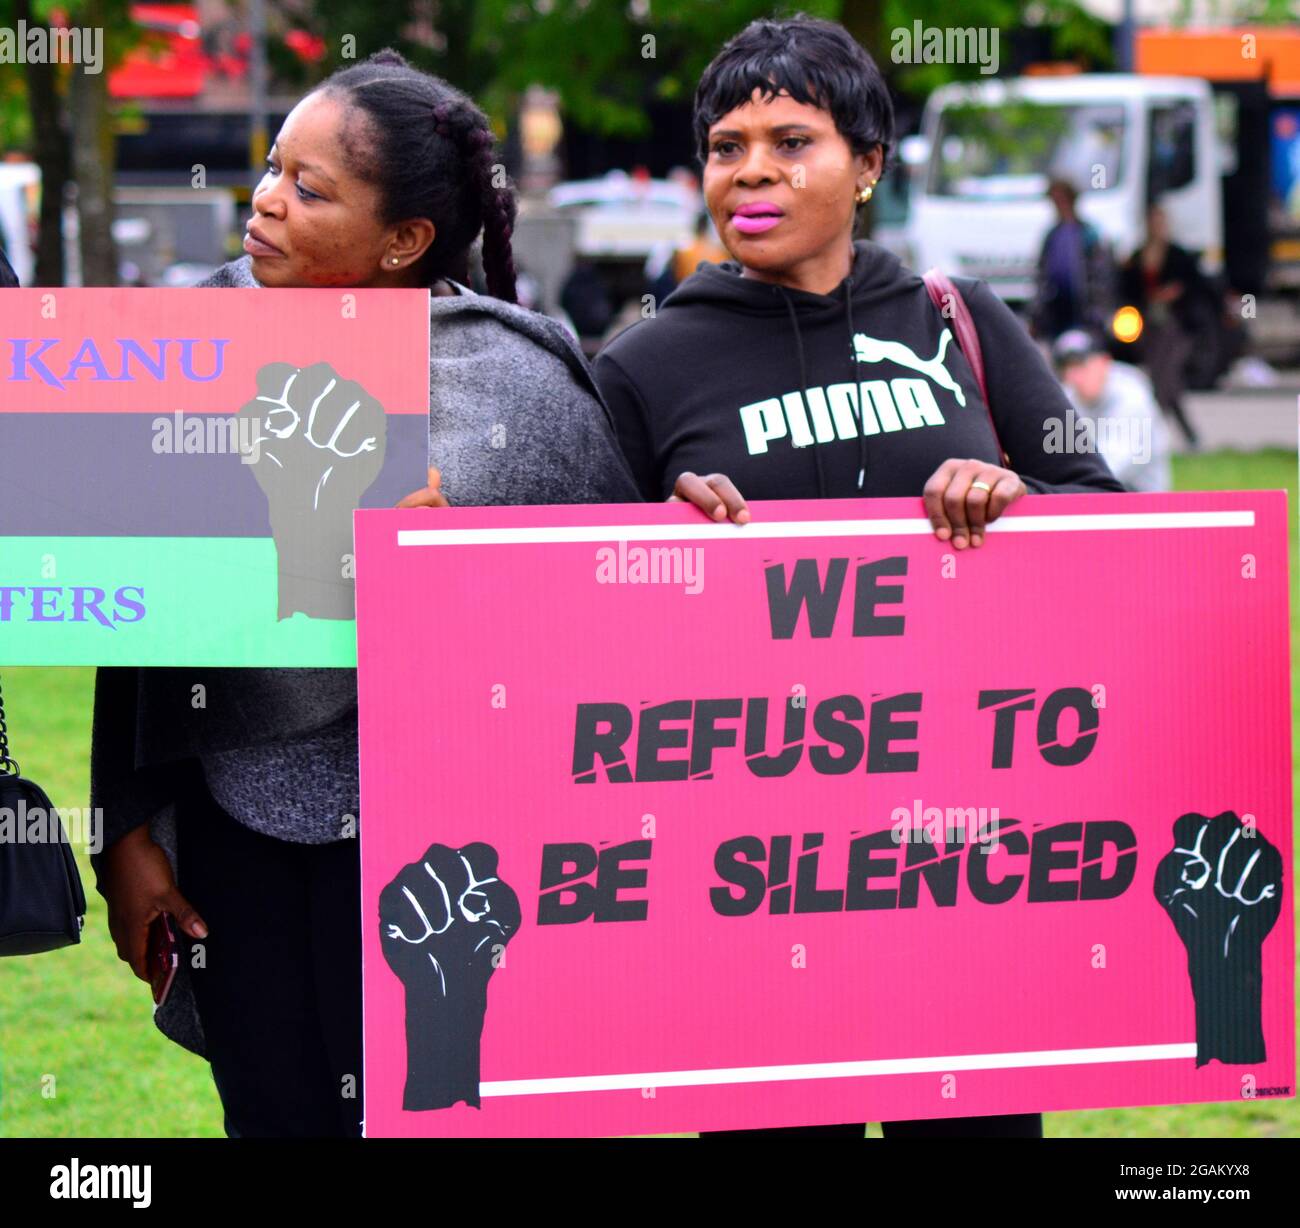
111 475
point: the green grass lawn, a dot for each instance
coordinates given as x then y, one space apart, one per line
79 1056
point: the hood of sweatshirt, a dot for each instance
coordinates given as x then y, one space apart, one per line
534 361
530 326
876 275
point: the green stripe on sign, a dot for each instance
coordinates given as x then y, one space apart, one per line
206 600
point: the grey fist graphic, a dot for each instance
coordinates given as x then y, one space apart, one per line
317 446
1222 889
443 923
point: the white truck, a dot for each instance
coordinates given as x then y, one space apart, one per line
978 207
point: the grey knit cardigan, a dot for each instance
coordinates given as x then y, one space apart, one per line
493 366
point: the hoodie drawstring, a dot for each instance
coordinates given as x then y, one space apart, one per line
803 379
862 409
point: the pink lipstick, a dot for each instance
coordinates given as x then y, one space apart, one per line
756 217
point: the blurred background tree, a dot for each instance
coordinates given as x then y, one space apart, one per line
599 60
618 67
60 115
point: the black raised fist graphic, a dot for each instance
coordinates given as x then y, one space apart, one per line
444 922
1222 888
317 446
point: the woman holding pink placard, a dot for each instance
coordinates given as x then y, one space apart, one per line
811 366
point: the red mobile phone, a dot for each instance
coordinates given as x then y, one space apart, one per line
163 957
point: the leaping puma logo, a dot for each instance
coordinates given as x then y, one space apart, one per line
869 349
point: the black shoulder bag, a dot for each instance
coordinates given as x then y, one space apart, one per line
42 905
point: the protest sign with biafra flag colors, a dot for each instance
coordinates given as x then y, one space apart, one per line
678 826
180 470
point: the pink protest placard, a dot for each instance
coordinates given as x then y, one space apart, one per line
673 826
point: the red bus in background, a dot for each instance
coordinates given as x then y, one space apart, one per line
174 60
170 62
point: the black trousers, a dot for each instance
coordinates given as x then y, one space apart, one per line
1167 350
279 992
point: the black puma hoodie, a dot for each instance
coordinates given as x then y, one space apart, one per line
863 391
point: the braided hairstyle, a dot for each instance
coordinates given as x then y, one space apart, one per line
430 152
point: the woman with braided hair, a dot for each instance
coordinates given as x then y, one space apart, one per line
238 819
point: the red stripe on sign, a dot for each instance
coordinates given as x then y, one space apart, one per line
154 351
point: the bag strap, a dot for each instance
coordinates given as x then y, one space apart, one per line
8 766
946 297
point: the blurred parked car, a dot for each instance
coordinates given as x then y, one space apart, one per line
623 216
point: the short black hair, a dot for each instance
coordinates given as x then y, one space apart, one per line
815 62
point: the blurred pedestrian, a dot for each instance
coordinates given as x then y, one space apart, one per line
586 301
1116 413
1076 273
705 245
668 268
1164 282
